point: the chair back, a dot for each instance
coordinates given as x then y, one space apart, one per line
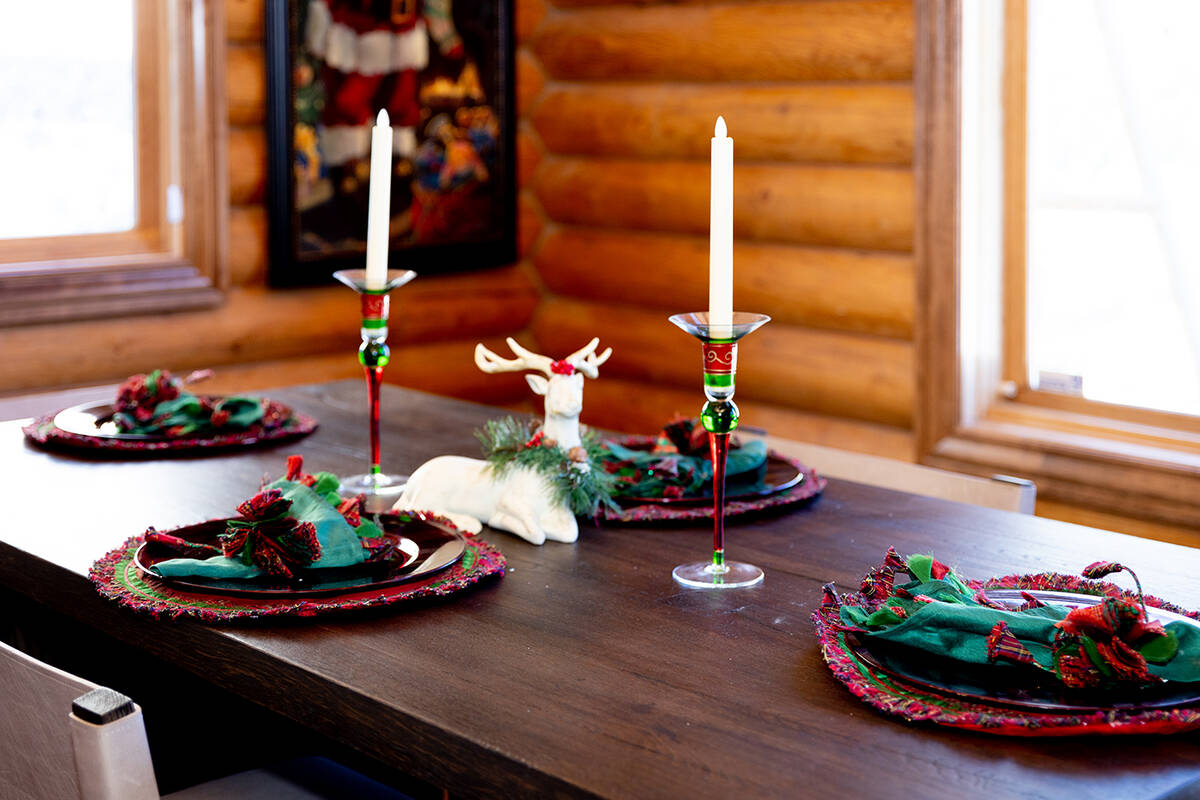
50 753
998 491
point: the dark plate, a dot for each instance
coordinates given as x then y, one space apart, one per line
428 545
95 419
781 476
1017 685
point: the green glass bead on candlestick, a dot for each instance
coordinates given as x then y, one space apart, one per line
374 354
719 416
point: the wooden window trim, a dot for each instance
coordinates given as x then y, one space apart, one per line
1132 462
158 266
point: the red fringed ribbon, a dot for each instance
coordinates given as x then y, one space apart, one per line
894 561
295 467
829 597
268 538
877 584
182 546
1112 624
1099 569
1002 643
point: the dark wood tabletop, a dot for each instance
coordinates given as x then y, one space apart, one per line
586 670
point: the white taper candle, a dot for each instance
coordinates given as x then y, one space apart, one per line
720 230
379 202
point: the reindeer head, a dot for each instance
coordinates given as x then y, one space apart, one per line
562 385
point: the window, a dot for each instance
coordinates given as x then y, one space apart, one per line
1056 333
110 119
73 123
1112 254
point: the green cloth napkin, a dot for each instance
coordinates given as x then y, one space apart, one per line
942 616
341 544
158 404
642 473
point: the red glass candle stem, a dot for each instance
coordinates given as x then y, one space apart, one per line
374 380
719 444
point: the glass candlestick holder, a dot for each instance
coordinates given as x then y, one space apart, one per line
374 355
719 417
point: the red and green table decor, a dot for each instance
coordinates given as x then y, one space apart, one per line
296 549
657 481
374 354
720 417
155 414
1042 654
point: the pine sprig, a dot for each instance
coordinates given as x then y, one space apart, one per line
510 442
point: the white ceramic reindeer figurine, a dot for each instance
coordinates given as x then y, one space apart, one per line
562 386
521 501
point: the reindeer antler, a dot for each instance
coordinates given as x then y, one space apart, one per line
489 362
585 359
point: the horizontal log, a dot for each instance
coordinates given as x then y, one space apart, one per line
635 407
448 368
839 374
257 324
864 207
247 245
778 41
468 304
244 20
869 124
823 288
529 155
245 84
530 81
529 224
527 16
247 165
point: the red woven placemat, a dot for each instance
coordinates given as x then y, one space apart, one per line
117 577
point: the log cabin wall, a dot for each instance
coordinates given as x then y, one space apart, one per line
617 104
262 337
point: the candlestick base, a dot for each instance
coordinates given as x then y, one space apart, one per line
707 575
380 489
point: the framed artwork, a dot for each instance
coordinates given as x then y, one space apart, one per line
442 69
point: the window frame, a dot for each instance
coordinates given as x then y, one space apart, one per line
1015 353
160 265
1132 462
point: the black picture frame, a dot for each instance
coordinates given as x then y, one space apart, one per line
495 246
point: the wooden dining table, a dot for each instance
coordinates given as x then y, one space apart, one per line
586 671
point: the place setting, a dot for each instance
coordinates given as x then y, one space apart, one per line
297 548
1042 654
157 414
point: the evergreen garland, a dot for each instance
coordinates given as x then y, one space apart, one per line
510 442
